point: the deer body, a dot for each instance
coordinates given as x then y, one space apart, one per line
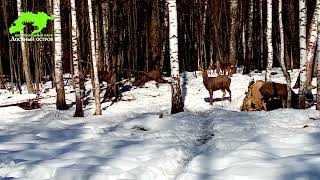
271 90
225 68
216 83
254 99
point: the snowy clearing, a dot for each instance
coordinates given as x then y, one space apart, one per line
130 141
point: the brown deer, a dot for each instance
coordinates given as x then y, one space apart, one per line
225 68
149 76
216 83
253 100
272 90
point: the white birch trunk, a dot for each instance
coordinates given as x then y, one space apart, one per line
281 55
60 101
105 11
76 75
94 52
233 31
269 41
261 33
177 103
318 66
250 29
318 63
303 52
312 43
25 57
244 40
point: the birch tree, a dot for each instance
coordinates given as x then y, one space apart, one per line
176 101
312 43
250 33
105 28
61 100
233 31
269 41
94 52
281 56
76 75
318 67
25 57
261 33
303 52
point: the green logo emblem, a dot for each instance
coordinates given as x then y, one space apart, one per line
38 20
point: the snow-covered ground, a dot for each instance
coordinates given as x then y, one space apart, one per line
131 141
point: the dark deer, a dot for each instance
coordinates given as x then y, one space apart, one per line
272 90
225 68
221 82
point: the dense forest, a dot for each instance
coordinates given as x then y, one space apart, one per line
113 40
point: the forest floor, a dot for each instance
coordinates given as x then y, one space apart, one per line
131 141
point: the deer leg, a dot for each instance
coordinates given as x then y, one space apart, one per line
210 96
230 72
229 91
264 105
223 94
284 102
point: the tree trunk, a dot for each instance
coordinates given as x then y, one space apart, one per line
250 35
303 52
261 35
281 56
76 75
2 83
233 31
269 40
176 101
25 57
13 67
312 43
105 25
165 32
61 99
318 67
154 38
94 52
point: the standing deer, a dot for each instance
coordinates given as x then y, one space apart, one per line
221 82
225 68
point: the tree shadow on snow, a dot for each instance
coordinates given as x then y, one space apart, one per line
48 141
207 99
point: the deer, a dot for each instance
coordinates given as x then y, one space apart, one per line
272 90
253 100
225 68
221 82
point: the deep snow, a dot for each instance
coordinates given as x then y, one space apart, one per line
130 141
